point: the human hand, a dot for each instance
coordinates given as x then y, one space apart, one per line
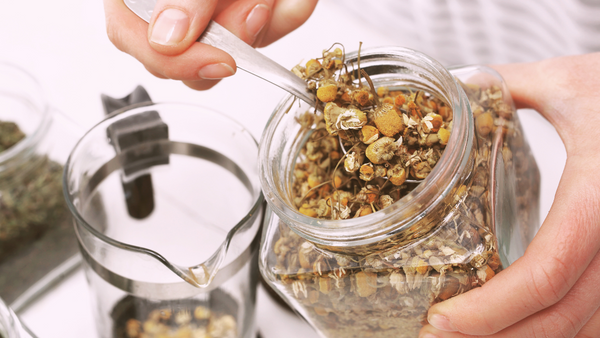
167 46
552 291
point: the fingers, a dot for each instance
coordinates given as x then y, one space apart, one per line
260 23
591 328
287 16
554 261
572 314
167 47
247 19
519 78
201 85
565 91
199 64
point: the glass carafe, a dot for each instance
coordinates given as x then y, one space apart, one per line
167 207
377 275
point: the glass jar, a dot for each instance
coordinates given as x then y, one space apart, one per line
472 216
36 230
187 265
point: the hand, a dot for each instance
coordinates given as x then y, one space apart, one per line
167 46
554 289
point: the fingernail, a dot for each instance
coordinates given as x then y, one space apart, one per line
257 19
170 27
216 71
428 335
441 323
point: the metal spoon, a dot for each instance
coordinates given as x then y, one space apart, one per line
246 57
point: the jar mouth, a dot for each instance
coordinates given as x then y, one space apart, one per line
26 90
385 66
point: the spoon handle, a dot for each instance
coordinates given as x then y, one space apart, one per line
255 63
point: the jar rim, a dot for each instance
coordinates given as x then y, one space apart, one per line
368 229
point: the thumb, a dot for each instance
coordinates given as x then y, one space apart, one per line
175 26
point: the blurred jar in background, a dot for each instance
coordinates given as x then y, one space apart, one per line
36 232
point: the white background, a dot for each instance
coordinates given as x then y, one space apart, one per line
64 45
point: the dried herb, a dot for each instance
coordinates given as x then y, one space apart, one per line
35 229
369 148
140 318
10 134
201 323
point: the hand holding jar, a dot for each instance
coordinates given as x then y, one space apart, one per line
552 290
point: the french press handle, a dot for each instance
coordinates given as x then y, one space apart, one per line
140 132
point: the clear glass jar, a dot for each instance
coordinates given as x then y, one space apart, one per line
36 229
377 275
187 265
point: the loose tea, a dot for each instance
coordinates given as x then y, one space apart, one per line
140 318
35 229
367 150
369 147
10 134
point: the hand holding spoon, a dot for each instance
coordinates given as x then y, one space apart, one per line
245 56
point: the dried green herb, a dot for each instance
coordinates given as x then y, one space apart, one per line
10 134
35 229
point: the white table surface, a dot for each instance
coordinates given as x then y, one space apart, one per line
64 45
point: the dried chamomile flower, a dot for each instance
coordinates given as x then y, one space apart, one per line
299 71
381 150
385 201
443 136
366 283
337 118
362 97
397 174
312 67
353 161
387 120
363 211
327 92
323 208
383 91
432 123
484 124
367 195
369 134
367 172
380 171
